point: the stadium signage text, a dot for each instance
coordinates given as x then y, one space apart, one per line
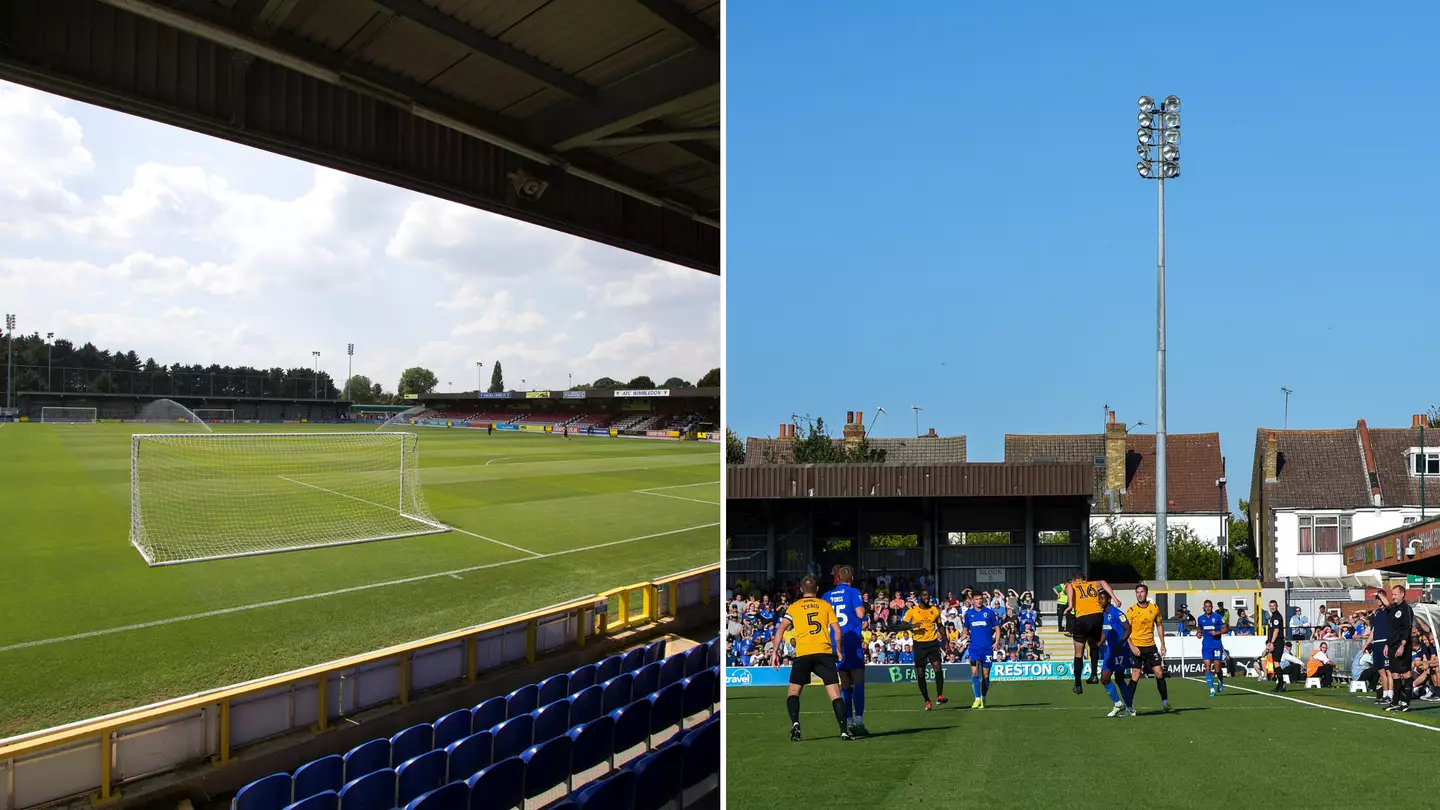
537 394
488 395
574 395
653 392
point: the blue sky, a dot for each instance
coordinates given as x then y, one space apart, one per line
941 209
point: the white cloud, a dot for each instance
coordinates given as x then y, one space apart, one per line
239 257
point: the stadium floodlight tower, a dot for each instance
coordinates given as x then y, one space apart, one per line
9 359
479 377
349 368
1159 149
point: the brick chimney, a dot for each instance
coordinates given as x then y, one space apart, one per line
854 429
1371 475
1114 455
1272 459
930 435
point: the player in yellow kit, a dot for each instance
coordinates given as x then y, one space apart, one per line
1147 644
923 620
816 625
1083 605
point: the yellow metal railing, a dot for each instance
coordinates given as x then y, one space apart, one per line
635 606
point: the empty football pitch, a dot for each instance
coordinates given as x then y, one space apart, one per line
1038 745
87 627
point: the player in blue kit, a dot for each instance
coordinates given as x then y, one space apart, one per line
850 609
980 626
1211 627
1115 657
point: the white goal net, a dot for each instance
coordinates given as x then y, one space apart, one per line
207 496
214 414
68 414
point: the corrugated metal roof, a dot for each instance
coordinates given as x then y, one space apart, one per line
906 481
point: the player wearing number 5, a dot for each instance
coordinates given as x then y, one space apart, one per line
816 627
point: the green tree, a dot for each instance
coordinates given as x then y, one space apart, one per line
1434 420
987 538
1126 553
380 396
641 382
710 380
605 384
734 448
814 446
359 389
676 382
497 379
416 380
582 387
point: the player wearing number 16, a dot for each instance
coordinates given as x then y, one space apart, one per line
816 627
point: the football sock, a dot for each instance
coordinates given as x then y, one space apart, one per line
848 695
1210 680
1220 678
924 691
839 706
975 685
1164 690
1110 690
859 690
939 682
1128 690
984 687
1078 661
793 704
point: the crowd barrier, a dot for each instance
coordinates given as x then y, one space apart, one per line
98 756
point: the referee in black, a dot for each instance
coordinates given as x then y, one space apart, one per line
1397 647
1275 642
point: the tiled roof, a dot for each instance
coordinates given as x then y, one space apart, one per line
938 450
1397 486
1316 469
1193 465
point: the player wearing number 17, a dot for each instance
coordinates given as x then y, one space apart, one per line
816 627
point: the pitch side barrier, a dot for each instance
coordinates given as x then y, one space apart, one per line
99 756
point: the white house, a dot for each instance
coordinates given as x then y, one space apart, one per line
1124 466
1314 491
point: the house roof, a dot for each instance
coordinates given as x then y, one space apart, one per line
927 450
1193 461
1326 469
1397 486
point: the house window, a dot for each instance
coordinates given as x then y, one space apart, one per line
1427 463
1324 534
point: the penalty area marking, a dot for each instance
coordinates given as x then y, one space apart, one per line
657 493
397 511
353 589
1314 705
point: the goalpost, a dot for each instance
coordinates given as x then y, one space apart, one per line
215 414
209 496
55 414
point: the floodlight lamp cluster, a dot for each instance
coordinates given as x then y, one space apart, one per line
1159 131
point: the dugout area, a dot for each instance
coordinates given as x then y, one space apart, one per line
1008 525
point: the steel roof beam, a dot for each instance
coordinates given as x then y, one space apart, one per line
686 23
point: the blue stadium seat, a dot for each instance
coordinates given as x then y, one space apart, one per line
582 678
487 715
454 796
324 800
658 778
702 761
551 721
617 693
326 773
522 701
696 659
647 679
654 651
714 650
585 706
591 748
270 793
499 787
513 736
616 792
554 689
568 804
699 692
547 767
366 758
416 777
719 682
411 743
373 791
469 756
453 726
666 712
632 660
607 669
632 729
672 669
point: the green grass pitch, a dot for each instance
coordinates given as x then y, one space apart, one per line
88 628
1038 745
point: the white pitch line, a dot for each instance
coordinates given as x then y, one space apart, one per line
353 589
678 486
1370 715
676 497
1098 711
397 511
505 458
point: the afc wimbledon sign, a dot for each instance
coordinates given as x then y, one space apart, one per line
654 392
